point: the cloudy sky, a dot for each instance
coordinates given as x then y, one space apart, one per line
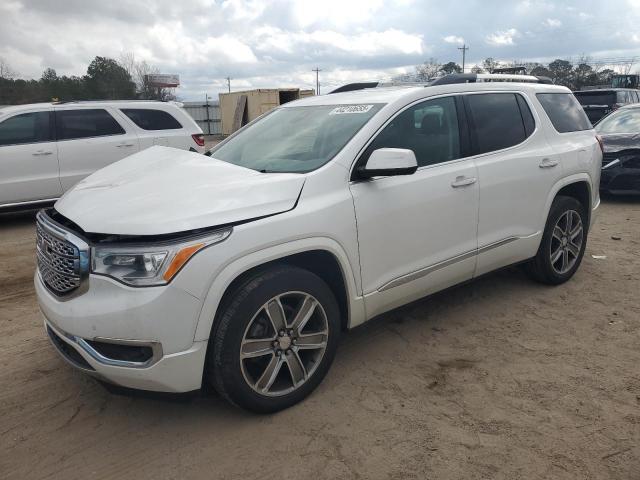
260 43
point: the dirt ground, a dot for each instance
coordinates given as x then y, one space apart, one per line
501 378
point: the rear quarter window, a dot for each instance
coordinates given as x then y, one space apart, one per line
150 119
564 111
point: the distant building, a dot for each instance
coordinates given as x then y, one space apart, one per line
239 108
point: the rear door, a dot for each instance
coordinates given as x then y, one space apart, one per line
516 170
90 138
28 157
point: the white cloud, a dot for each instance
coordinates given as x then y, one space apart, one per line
277 42
552 23
453 39
502 38
389 41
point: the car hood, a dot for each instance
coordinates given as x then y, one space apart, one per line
616 142
164 190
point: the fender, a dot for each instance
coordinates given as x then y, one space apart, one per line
563 182
241 265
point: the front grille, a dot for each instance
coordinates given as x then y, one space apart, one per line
58 262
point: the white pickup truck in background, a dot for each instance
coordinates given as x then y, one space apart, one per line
47 148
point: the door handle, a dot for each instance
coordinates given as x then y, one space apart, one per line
463 181
548 163
42 152
121 145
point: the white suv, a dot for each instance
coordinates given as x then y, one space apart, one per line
47 148
169 269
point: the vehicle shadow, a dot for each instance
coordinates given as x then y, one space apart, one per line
17 219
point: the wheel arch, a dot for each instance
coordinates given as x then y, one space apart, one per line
324 257
576 186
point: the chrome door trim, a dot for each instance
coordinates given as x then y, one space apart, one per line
410 277
27 203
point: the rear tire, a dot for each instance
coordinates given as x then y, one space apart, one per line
563 243
274 339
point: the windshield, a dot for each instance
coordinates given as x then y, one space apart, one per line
596 98
295 139
622 121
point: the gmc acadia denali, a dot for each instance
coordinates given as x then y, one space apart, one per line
240 269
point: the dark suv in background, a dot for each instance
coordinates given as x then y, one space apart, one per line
600 102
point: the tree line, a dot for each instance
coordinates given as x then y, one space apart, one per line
106 79
576 75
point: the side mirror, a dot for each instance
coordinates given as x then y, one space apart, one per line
386 162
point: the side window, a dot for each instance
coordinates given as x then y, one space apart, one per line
26 128
622 97
564 111
429 128
497 121
149 119
86 123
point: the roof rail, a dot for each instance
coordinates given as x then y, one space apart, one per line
350 87
488 77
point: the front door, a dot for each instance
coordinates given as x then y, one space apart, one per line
417 233
28 158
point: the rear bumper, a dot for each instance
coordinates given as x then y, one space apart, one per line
594 214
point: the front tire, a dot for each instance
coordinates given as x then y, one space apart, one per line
563 242
274 339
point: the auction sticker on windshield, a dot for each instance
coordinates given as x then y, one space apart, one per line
351 109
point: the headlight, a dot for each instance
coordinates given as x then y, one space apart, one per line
142 266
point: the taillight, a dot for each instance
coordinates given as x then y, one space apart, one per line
198 138
600 142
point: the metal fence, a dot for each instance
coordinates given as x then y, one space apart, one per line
206 116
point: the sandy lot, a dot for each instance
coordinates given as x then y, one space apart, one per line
501 378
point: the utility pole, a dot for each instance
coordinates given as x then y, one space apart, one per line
464 49
317 70
206 101
229 84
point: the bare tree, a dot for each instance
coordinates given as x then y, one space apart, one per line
6 71
428 70
489 64
139 71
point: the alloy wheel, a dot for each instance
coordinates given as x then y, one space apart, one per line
284 343
566 242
